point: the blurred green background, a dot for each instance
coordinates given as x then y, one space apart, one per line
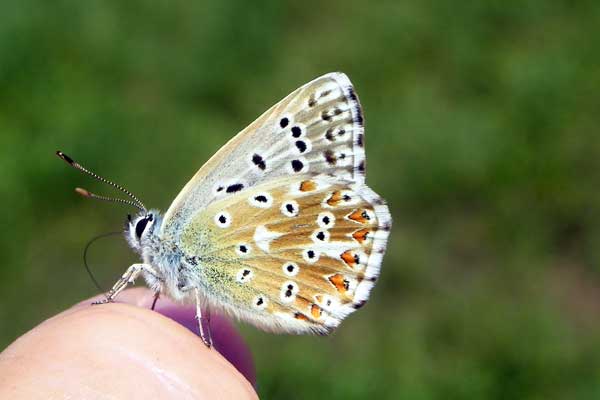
482 134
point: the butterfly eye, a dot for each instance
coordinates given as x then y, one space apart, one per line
141 225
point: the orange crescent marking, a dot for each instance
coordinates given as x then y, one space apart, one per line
335 198
357 215
315 310
361 235
307 186
338 281
348 258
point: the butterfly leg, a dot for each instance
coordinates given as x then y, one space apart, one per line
155 300
203 320
128 277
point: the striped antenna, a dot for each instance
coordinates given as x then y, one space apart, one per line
135 202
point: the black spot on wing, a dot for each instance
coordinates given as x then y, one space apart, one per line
301 146
258 161
234 188
296 131
297 165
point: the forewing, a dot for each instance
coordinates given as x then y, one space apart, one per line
297 254
317 129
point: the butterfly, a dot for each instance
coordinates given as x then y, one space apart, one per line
278 228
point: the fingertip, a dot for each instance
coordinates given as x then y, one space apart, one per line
226 339
141 354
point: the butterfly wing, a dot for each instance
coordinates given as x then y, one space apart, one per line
295 254
317 129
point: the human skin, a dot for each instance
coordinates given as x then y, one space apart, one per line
126 351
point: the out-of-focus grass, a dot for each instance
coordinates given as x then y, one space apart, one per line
482 134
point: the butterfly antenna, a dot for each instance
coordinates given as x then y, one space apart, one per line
88 194
134 202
